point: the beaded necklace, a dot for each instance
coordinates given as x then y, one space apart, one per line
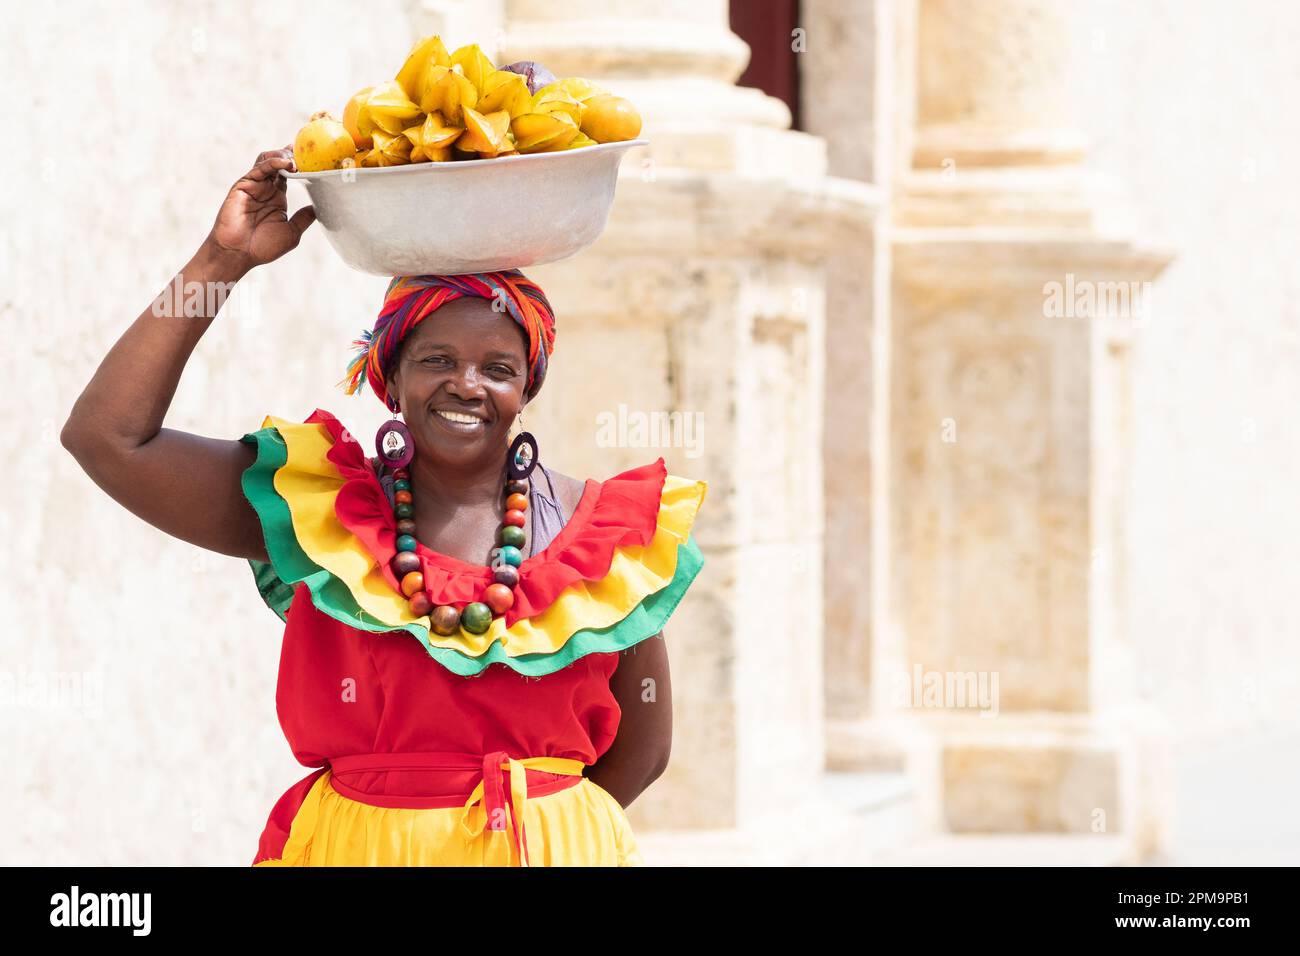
497 598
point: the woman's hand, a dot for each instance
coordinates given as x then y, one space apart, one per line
253 226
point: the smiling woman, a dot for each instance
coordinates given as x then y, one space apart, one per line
386 546
467 632
465 375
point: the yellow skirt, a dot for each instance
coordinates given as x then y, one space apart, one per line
579 825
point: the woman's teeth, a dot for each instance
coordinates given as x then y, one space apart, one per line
459 417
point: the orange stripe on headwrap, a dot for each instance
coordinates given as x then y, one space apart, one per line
411 299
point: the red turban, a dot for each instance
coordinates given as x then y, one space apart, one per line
411 299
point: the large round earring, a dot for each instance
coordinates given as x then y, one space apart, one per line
394 443
523 455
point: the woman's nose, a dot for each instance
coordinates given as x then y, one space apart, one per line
468 380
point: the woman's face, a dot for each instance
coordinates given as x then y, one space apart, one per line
467 360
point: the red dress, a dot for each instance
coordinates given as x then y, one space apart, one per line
457 750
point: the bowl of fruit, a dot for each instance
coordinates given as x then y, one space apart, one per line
456 166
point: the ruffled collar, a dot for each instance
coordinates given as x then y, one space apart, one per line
610 514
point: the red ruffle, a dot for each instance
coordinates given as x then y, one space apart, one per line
618 512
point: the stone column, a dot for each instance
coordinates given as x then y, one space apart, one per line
706 298
1011 311
848 88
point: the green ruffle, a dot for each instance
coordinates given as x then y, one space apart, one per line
290 566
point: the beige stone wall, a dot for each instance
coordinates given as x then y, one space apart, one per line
172 754
1090 529
1184 104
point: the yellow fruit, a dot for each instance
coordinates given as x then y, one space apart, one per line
431 140
447 91
540 132
582 139
391 150
442 107
557 102
484 134
426 51
610 119
474 64
551 98
507 91
322 144
577 87
351 113
388 109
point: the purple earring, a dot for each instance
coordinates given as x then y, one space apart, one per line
394 443
523 455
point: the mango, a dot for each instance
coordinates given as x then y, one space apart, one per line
322 144
610 119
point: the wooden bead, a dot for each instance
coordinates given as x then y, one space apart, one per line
420 604
446 620
499 598
516 503
516 488
404 562
412 582
405 542
401 474
406 526
506 554
404 511
402 497
507 574
512 536
401 484
515 518
476 618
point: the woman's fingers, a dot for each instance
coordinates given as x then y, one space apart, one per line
301 219
270 166
266 153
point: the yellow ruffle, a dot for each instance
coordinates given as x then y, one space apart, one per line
309 484
582 825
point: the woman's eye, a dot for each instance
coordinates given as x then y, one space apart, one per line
435 360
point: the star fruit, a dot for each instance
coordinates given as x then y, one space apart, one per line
388 108
390 150
447 90
432 139
485 135
426 51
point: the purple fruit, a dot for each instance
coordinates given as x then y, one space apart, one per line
533 73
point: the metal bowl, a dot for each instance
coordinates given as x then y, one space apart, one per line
478 215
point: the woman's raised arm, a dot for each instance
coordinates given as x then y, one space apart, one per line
183 484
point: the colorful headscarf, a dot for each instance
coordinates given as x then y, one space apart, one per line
411 299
